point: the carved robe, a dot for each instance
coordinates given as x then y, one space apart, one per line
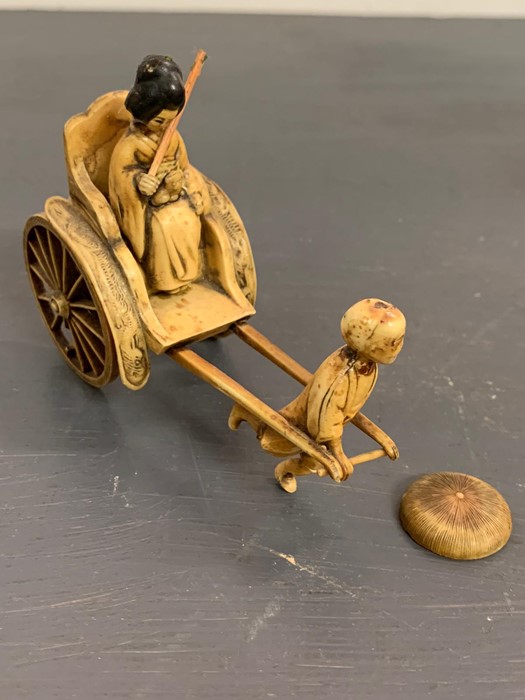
336 392
163 231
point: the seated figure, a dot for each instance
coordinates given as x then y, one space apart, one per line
374 332
159 216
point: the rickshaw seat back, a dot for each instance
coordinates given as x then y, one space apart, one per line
90 138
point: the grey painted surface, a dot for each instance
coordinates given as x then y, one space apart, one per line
145 550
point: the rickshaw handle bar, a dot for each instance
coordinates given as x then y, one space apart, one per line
203 369
272 352
367 457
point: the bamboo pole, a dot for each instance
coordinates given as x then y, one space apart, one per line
172 127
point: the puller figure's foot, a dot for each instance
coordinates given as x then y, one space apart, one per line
238 414
286 471
286 479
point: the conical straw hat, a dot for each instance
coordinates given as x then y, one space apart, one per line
456 515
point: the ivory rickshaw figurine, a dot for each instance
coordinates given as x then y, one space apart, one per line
148 254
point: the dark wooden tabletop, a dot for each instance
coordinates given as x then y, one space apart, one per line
146 551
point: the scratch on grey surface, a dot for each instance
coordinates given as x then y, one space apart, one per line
200 619
61 646
414 628
446 606
498 428
508 601
87 455
46 660
119 604
150 651
271 610
116 527
39 454
124 586
62 604
305 568
199 476
115 491
322 666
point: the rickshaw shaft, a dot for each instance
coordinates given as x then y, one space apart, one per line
217 378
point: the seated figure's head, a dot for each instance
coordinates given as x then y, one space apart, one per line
375 329
158 92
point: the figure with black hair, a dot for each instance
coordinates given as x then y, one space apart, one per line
160 216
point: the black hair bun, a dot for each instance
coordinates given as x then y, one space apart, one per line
158 85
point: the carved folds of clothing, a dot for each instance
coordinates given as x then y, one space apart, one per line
163 231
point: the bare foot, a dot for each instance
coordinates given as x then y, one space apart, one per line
287 481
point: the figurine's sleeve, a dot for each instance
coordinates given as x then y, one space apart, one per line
126 201
331 385
182 155
194 180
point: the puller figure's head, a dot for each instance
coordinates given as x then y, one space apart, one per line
375 329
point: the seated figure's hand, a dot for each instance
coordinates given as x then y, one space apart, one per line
174 181
147 184
160 197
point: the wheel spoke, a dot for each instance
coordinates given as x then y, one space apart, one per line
49 265
70 273
42 263
45 297
38 270
89 346
64 270
79 316
55 261
56 323
86 304
74 287
83 360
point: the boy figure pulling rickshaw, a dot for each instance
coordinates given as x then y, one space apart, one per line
374 332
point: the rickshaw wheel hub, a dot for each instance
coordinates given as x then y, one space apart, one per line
60 304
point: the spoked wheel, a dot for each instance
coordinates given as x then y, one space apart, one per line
69 306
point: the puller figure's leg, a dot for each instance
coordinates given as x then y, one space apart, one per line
287 470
